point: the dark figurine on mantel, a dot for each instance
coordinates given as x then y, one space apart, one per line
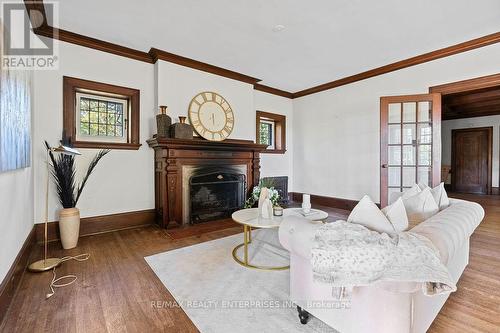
181 130
163 122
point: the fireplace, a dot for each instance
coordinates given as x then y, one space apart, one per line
180 164
215 193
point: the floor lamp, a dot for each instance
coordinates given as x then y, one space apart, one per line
46 264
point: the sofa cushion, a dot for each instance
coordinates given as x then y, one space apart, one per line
420 207
396 213
450 228
439 194
369 215
415 189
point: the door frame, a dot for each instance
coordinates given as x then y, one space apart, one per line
467 85
384 137
481 82
489 158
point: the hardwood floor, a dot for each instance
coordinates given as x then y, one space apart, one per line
115 287
475 306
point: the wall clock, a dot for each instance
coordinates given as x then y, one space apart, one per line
211 116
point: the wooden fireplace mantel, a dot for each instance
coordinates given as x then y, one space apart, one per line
172 154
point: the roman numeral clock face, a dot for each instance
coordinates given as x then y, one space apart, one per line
211 116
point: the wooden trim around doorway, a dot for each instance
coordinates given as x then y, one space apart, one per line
467 85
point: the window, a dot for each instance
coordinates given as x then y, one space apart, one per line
267 132
99 115
271 131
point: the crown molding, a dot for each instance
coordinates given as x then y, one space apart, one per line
44 29
426 57
272 90
93 43
157 54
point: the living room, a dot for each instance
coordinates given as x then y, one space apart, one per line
181 124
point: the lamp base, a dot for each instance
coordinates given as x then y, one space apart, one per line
44 264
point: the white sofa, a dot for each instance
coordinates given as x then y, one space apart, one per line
382 307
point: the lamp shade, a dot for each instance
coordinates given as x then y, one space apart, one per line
66 150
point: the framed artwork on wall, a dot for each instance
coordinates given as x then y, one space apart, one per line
15 119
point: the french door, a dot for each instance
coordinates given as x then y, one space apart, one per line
410 143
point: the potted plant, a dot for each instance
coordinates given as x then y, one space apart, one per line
69 192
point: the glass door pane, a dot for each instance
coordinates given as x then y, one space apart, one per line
407 142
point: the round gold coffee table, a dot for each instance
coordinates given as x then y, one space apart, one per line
250 218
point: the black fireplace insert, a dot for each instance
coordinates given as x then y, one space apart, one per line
215 194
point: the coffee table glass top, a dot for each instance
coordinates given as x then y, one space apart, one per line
250 217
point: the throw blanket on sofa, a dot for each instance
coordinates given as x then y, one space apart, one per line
347 255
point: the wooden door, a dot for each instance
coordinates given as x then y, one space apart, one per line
471 160
410 142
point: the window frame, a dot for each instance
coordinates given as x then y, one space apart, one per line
72 86
279 135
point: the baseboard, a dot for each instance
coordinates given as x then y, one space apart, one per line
101 224
11 282
326 201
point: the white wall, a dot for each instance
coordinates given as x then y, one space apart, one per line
123 181
177 85
493 121
16 214
336 132
16 210
277 164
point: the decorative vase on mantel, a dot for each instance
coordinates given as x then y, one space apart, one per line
69 227
181 130
163 122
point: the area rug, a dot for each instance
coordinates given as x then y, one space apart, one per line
219 295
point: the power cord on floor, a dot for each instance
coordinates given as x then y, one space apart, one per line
54 283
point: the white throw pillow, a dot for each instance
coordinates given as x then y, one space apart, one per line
420 207
396 213
369 215
439 194
404 195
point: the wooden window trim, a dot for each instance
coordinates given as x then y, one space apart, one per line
73 85
279 128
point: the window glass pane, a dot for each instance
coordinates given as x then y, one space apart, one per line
424 155
409 133
394 176
102 130
409 112
394 155
424 111
84 104
424 133
424 175
84 116
93 105
394 134
409 176
266 134
84 128
94 117
394 113
93 129
409 155
105 117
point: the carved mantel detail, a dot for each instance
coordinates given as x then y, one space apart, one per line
172 154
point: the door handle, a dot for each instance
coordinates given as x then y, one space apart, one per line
385 166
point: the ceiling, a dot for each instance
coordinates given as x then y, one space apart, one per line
322 40
477 103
